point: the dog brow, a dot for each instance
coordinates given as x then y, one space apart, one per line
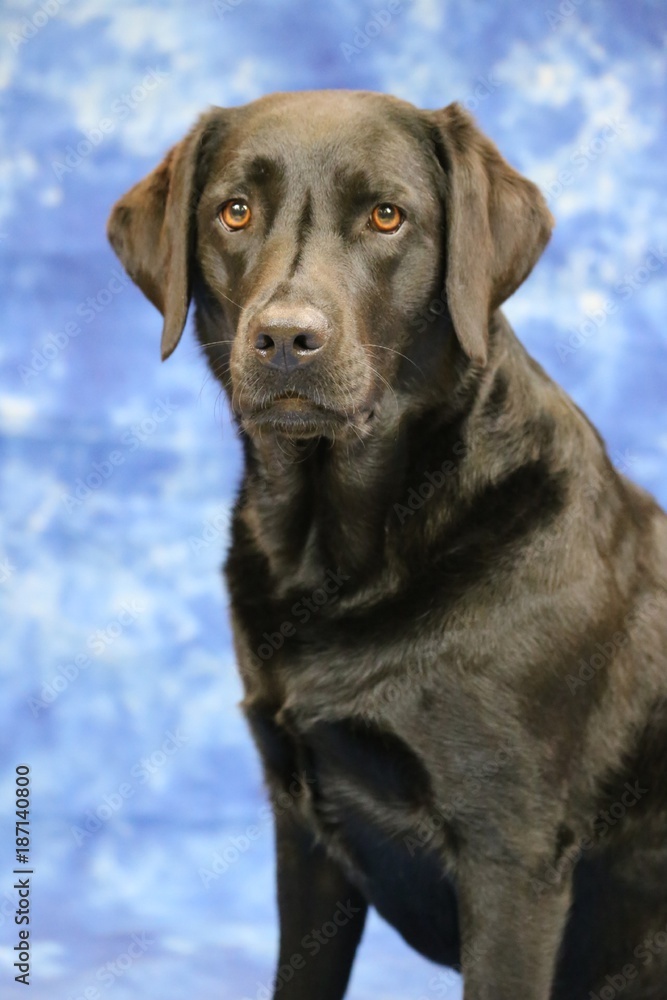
304 227
268 175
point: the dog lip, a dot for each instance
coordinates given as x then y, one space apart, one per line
292 403
295 409
301 416
298 422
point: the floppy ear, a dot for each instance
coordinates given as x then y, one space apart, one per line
151 229
497 225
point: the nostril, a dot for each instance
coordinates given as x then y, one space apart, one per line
286 339
309 340
263 342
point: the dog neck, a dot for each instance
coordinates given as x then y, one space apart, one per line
321 505
361 507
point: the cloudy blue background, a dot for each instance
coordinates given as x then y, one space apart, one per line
120 690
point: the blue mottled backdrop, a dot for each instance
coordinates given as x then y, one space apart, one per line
151 850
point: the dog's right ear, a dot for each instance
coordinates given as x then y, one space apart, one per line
151 229
497 224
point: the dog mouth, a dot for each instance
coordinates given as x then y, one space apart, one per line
299 416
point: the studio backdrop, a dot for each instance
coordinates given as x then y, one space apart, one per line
151 847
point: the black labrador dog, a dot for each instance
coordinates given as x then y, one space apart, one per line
449 609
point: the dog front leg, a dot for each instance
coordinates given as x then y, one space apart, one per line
510 933
321 914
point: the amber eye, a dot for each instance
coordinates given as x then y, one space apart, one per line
386 218
235 214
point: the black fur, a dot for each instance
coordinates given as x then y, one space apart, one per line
449 609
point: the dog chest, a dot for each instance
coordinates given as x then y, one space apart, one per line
369 800
340 759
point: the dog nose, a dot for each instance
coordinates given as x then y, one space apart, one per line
288 338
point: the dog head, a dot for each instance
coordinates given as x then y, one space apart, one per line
321 234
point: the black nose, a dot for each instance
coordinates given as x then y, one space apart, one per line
288 338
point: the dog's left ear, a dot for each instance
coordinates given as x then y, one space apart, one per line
151 229
497 225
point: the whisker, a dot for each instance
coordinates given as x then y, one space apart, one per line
229 299
400 354
202 347
383 379
218 343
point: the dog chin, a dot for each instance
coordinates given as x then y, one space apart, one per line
301 419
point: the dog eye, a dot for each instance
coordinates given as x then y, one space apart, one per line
235 214
386 218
